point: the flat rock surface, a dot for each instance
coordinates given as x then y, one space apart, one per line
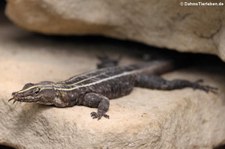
173 24
144 119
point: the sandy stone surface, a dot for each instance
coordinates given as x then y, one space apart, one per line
160 23
144 119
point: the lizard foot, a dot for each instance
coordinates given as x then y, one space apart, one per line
95 115
206 88
106 61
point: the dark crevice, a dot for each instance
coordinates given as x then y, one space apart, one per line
220 147
2 11
3 19
6 147
2 5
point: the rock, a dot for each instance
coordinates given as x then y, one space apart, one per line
163 24
144 119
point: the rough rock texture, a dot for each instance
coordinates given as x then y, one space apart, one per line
159 23
144 119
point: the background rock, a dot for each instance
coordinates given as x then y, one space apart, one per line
159 23
144 119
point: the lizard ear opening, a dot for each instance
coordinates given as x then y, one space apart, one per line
27 85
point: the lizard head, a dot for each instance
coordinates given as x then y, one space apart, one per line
42 93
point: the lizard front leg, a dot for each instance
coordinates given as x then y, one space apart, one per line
95 100
157 82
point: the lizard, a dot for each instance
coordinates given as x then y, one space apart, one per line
96 88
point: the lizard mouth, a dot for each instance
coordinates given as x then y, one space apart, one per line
18 98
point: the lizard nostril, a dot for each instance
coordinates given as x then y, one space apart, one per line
14 93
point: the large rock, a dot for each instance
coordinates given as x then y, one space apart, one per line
160 23
144 119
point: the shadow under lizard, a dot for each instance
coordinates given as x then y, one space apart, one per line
94 89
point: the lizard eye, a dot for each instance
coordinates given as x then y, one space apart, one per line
36 90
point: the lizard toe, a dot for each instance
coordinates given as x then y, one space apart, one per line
106 116
94 115
206 88
98 116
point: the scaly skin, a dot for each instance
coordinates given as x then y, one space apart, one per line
95 89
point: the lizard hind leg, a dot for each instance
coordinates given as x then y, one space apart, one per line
95 100
106 61
157 82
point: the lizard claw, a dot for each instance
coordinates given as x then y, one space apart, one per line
98 116
10 99
210 89
205 88
14 100
94 115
